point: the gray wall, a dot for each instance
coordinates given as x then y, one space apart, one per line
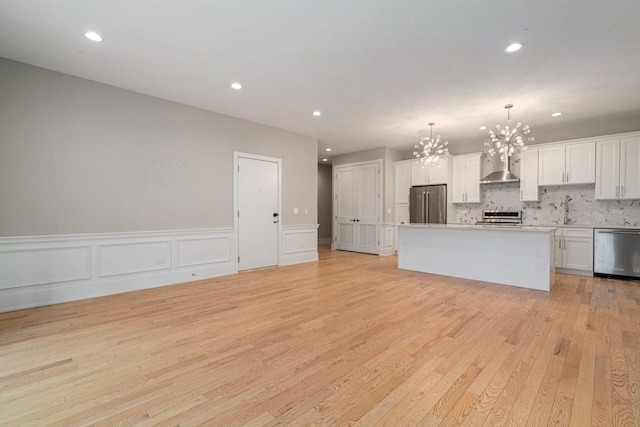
325 190
78 156
562 132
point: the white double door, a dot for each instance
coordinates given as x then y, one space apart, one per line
258 213
357 207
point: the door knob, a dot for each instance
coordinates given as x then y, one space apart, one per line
275 214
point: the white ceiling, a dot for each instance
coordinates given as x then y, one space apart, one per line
379 70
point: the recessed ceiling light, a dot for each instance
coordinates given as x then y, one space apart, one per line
482 128
317 113
556 114
324 160
236 86
93 36
327 149
513 47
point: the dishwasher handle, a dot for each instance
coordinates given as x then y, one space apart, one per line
633 233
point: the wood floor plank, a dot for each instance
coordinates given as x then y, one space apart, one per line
349 340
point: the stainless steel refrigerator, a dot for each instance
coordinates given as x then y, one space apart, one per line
428 204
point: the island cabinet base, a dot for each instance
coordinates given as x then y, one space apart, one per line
522 257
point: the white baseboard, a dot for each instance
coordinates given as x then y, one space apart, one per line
43 270
575 272
300 244
324 240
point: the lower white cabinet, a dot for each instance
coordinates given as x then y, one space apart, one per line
574 249
401 216
402 213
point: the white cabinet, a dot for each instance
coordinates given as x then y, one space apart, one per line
574 249
567 164
466 178
402 213
617 169
357 207
529 190
430 173
402 182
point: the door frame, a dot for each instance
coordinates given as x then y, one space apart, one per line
334 198
236 195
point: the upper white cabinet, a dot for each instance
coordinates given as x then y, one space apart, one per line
402 182
529 190
466 178
567 164
617 174
430 173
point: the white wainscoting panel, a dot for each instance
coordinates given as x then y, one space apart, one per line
41 265
200 251
299 244
134 257
43 270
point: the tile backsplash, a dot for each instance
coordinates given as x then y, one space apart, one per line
583 208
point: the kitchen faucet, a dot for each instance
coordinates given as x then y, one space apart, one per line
565 203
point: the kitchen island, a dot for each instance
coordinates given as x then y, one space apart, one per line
510 255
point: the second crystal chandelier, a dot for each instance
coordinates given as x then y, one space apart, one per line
508 139
431 149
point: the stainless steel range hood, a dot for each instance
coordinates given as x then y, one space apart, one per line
499 177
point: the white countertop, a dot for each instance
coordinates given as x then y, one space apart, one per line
513 228
627 227
525 226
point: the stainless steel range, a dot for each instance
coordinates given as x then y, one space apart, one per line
495 217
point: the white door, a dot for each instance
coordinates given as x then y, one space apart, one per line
258 213
357 199
366 202
345 208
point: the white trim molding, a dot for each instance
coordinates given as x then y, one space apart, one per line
43 270
299 244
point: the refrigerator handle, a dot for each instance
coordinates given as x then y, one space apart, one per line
426 208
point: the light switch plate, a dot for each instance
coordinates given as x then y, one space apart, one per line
296 211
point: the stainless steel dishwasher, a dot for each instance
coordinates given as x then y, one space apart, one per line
616 252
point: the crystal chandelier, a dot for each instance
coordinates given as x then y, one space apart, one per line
508 139
431 149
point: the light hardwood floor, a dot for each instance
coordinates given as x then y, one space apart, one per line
350 340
